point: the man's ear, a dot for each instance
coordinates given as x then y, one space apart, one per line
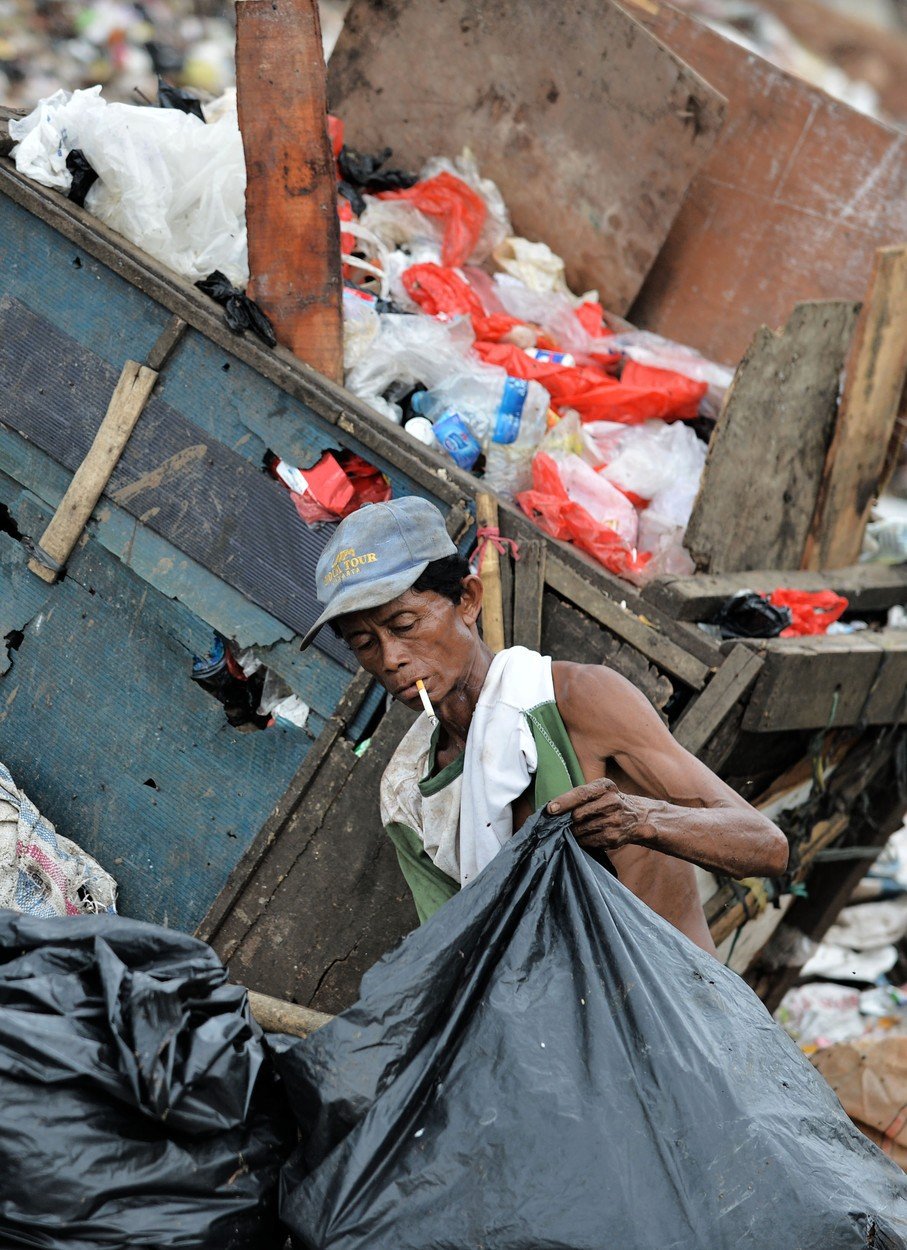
470 605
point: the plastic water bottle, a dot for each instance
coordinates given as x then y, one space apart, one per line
506 415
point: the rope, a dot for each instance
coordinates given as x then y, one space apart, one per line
486 534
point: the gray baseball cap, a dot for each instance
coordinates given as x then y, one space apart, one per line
377 553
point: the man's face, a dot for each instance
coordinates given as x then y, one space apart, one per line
420 634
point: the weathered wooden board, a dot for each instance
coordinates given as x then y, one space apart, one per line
842 680
102 725
291 197
873 385
326 898
590 128
866 587
761 478
798 193
528 588
569 635
703 716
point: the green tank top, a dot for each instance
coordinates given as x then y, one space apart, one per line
558 771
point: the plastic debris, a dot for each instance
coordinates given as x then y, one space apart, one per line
137 1107
502 1040
240 312
41 872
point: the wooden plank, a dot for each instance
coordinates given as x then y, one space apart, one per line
567 634
761 477
91 477
636 630
525 92
811 683
528 588
874 382
327 899
866 587
704 715
291 196
770 219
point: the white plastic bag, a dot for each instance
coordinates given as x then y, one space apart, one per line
534 264
166 181
652 458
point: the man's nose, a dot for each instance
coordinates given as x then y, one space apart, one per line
393 654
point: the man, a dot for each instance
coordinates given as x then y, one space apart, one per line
516 731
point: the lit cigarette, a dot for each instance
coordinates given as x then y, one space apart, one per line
426 702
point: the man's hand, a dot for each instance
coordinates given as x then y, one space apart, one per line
604 819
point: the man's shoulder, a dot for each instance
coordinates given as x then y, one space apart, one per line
591 694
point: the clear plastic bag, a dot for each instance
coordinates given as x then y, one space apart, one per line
167 181
534 264
411 349
650 459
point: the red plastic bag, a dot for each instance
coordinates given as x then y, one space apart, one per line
441 292
554 512
812 611
336 485
335 134
680 395
454 203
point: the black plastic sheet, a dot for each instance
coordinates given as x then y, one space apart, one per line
547 1065
135 1106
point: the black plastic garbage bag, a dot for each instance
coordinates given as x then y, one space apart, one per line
135 1108
547 1065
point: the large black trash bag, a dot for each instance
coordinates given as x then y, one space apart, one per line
548 1065
135 1105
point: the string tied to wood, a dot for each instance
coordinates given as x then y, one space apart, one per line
490 534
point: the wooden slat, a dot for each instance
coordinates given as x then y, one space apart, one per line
809 683
704 715
525 91
874 382
866 587
762 473
291 209
798 193
528 590
91 477
634 629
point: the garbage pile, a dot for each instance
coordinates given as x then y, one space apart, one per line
455 328
55 43
469 337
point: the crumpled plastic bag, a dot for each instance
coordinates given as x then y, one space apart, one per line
548 1063
534 264
168 182
458 208
137 1107
647 348
339 483
410 349
564 489
812 611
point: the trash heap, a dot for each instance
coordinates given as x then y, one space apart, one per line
470 338
463 333
46 45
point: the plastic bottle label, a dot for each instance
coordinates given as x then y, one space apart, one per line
544 356
510 410
457 439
